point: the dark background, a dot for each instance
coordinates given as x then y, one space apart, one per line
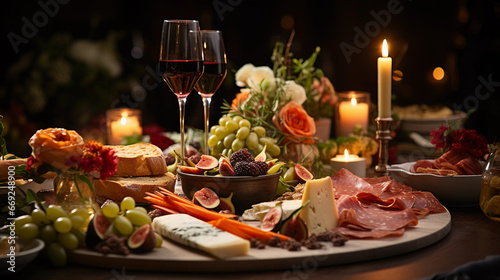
463 37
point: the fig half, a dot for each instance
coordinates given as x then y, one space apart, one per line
227 205
207 198
273 219
97 229
142 239
302 174
207 163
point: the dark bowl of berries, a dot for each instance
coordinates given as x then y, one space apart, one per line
236 183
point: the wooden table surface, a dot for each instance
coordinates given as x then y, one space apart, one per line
472 237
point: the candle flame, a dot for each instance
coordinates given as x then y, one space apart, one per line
385 49
354 102
346 154
123 120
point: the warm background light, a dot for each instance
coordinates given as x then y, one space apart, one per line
438 73
397 75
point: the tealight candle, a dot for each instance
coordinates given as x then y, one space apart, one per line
353 163
122 122
352 112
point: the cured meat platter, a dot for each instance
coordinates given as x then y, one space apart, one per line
177 258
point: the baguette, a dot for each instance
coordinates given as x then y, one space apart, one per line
117 188
141 159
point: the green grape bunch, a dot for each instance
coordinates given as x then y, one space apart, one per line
235 133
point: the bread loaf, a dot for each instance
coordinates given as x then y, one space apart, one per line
117 188
141 159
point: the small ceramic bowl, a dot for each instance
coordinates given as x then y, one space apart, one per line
29 251
247 190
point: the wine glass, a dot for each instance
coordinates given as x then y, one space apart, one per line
215 65
181 62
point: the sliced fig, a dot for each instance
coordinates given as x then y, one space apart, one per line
206 198
227 205
273 219
142 239
295 228
302 174
207 162
225 167
262 155
97 229
189 169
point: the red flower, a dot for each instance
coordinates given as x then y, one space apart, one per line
438 137
96 157
468 140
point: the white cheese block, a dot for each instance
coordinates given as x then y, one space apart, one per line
320 214
198 234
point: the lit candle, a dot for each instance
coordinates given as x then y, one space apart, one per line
352 113
353 163
384 65
125 126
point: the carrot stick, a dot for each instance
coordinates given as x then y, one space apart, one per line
165 210
245 231
174 202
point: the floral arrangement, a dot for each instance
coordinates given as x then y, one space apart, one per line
286 99
466 140
61 150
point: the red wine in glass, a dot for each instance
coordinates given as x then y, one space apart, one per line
212 78
181 75
215 71
181 62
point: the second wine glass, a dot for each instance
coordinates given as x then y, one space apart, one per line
215 65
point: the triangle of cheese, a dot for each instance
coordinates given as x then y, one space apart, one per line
320 214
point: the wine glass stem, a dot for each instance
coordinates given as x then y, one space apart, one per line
206 107
182 106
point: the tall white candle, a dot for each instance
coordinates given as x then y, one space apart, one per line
352 113
384 66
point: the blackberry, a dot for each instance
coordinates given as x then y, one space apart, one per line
262 166
241 155
244 168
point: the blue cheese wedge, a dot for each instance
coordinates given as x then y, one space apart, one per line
198 234
320 214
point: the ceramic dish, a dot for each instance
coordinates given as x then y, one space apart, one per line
459 190
424 126
29 251
247 190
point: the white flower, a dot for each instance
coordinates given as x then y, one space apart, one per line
262 78
295 91
243 73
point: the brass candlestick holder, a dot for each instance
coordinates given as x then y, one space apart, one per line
383 136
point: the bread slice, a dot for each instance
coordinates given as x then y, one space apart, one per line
117 188
141 159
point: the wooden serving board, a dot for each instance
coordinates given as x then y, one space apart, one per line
177 258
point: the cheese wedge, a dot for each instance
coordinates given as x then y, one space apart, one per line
197 234
320 214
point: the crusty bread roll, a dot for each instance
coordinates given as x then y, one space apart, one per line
141 159
117 188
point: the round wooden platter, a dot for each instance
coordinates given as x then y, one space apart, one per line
177 258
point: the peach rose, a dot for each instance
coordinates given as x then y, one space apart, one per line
293 120
56 146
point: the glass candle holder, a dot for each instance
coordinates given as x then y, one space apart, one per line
351 112
122 122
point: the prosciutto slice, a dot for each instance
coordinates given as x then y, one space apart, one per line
369 217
